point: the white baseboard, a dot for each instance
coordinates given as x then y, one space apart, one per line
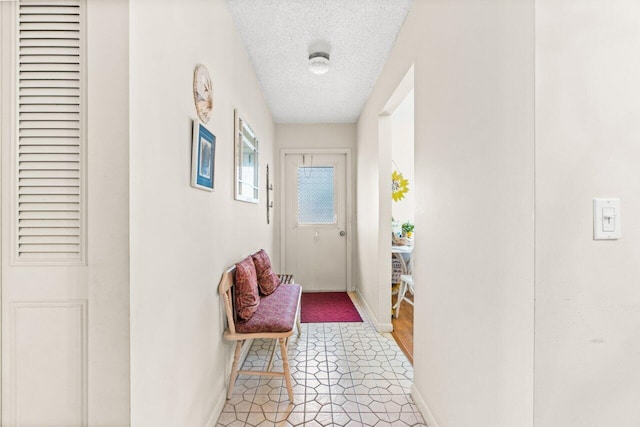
217 410
380 327
423 407
366 306
222 399
384 327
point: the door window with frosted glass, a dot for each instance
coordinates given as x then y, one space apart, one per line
316 195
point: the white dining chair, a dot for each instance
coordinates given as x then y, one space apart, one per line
406 284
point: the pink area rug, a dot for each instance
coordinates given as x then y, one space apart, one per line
322 307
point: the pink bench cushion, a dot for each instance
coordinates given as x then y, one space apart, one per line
246 296
268 281
276 313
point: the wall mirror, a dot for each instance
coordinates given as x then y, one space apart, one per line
246 161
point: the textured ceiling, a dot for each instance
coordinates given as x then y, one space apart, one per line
280 34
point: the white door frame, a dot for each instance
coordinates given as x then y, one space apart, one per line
5 102
399 94
349 204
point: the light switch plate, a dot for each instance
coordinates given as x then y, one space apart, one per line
606 219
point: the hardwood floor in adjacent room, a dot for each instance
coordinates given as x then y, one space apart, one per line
403 328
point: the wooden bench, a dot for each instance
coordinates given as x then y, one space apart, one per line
276 317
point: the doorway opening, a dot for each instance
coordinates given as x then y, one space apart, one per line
397 211
403 220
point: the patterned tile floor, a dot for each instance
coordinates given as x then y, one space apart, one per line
344 374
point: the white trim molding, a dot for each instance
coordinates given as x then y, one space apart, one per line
217 410
380 327
423 407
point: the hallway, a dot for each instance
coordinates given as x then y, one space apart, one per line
344 374
525 129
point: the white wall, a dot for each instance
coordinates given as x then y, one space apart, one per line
182 238
474 137
324 135
474 80
402 153
474 209
108 211
587 145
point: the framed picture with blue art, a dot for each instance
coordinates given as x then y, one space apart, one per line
203 156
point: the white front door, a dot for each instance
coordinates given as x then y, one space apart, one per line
315 220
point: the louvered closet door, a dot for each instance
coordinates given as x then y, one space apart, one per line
49 133
44 273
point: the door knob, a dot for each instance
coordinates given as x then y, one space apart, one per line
343 233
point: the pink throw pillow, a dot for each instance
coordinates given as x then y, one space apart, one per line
246 297
268 281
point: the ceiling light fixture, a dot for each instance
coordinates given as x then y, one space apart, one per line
319 62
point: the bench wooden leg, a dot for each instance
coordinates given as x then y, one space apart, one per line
285 366
234 368
273 352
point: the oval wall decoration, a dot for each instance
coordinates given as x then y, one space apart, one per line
202 92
